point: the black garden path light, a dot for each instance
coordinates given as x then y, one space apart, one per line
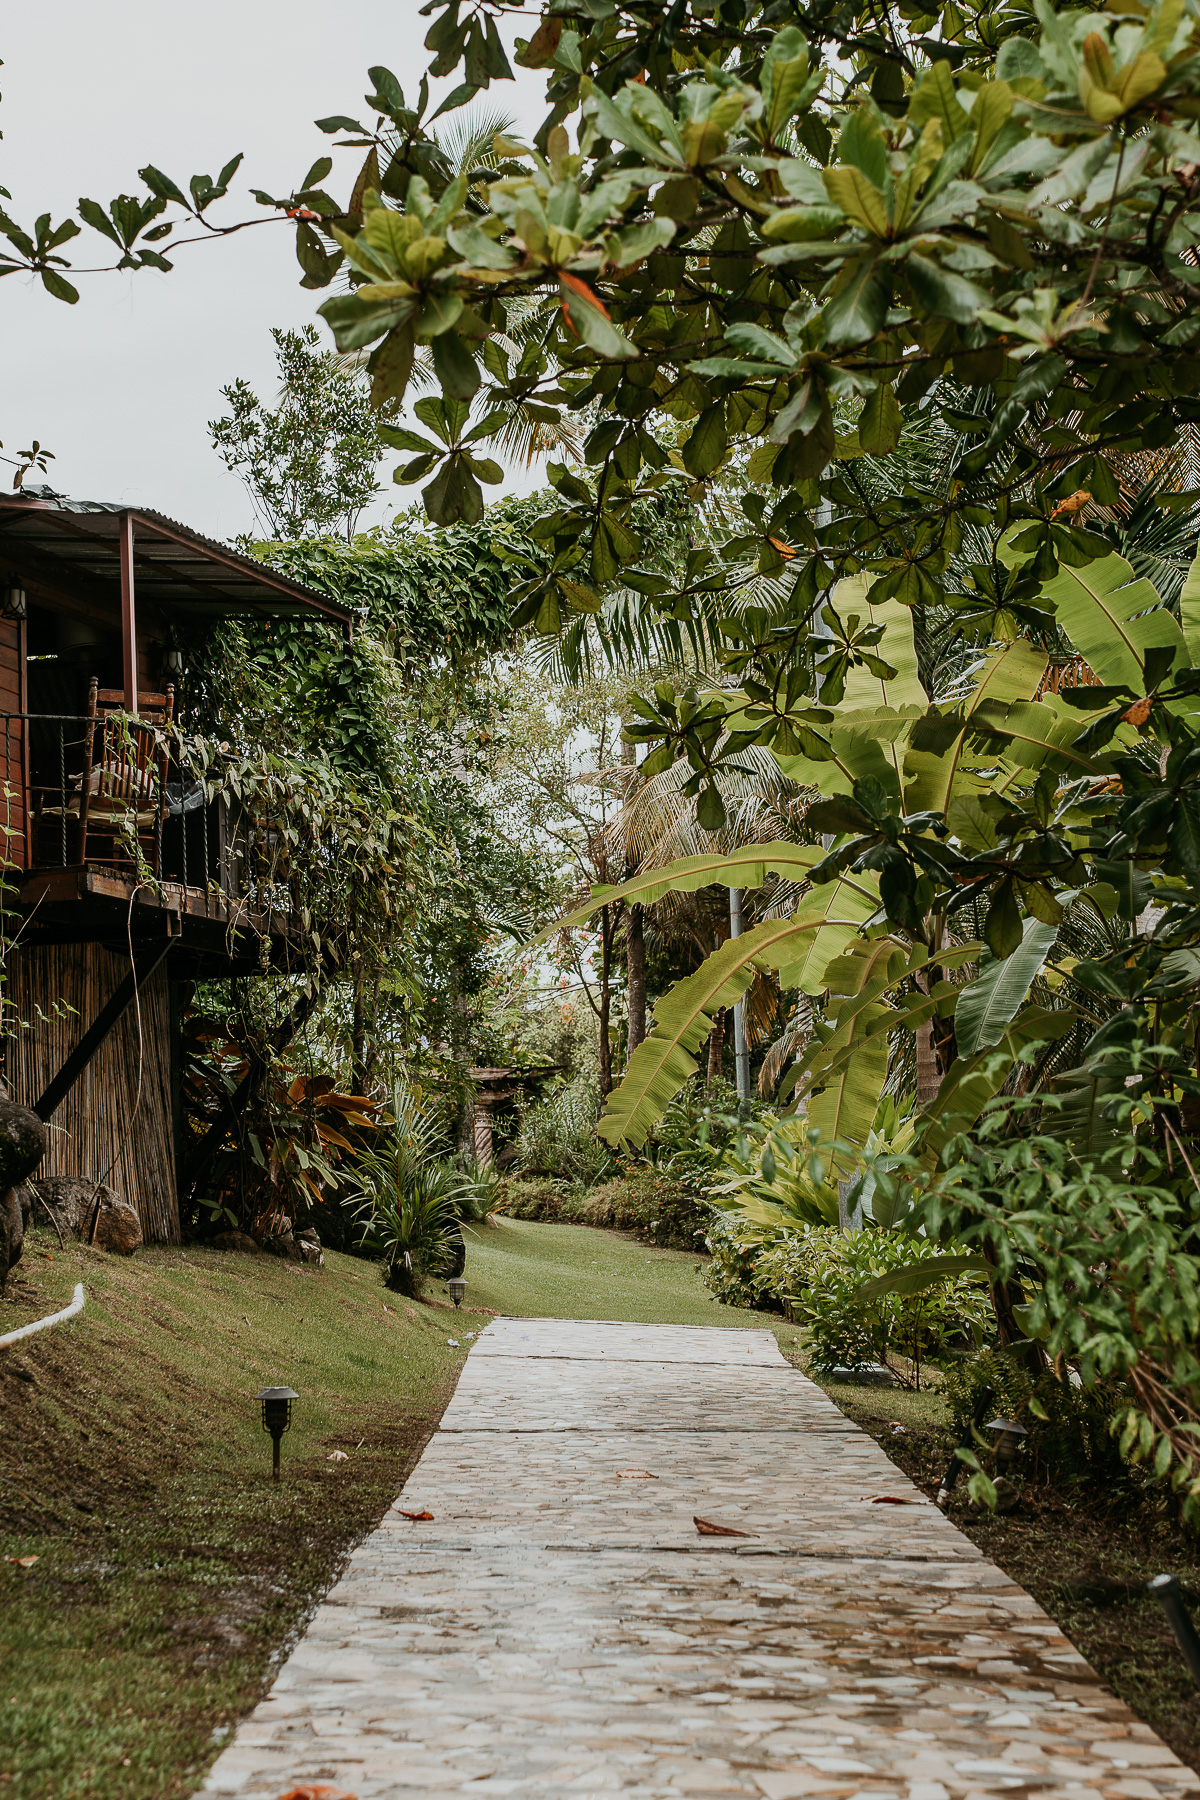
458 1288
276 1416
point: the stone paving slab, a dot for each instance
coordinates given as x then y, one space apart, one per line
598 1340
828 1493
862 1653
644 1396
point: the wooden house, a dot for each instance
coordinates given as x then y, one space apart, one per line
122 880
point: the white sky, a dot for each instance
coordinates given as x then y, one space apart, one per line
120 386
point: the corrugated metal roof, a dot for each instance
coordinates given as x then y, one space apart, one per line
176 568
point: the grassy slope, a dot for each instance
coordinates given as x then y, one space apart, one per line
171 1572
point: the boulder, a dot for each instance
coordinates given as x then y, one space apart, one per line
309 1246
72 1204
236 1240
12 1234
22 1146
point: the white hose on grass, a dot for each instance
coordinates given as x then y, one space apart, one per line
68 1312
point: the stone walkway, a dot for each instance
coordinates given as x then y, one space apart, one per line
560 1627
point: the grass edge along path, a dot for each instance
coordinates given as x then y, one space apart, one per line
172 1575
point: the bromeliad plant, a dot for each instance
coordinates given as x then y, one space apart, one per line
410 1198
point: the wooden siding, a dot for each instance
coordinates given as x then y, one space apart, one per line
12 748
116 1123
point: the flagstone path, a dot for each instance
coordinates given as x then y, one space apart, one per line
561 1628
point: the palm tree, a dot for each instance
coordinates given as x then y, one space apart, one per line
655 824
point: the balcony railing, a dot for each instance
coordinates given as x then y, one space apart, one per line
116 792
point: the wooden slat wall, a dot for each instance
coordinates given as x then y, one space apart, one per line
102 1131
12 765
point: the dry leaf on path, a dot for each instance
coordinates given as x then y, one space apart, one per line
413 1515
893 1500
317 1790
706 1528
635 1475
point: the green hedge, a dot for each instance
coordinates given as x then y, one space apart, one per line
658 1208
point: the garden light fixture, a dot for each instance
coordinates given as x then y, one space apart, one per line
276 1417
1008 1440
458 1288
1169 1594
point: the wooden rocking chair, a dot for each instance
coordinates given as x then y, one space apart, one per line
123 786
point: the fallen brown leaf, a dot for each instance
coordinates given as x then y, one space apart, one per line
892 1500
635 1475
706 1528
413 1515
22 1562
317 1790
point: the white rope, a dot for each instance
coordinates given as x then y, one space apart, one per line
68 1312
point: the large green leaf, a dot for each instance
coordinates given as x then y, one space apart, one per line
846 1106
989 1002
1105 610
1189 611
684 1017
932 779
974 1080
896 647
746 867
1040 733
921 1275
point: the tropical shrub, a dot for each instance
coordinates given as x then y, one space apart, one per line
820 1275
557 1136
655 1206
736 1275
696 1130
1090 1268
409 1199
1070 1427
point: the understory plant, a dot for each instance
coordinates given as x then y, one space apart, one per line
1091 1269
821 1274
657 1207
557 1136
410 1198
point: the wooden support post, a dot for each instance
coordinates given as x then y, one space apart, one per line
114 1008
129 667
23 703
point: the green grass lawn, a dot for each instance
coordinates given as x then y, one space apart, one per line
571 1272
171 1572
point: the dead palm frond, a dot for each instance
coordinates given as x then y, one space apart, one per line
657 822
790 1044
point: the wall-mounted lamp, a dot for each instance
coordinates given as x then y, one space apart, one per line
15 603
174 661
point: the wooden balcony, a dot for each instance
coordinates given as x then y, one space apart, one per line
108 838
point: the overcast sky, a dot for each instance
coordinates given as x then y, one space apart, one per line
120 386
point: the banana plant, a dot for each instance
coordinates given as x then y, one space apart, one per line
992 795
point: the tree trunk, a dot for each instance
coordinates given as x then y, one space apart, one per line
358 1034
605 1007
635 972
929 1078
716 1044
